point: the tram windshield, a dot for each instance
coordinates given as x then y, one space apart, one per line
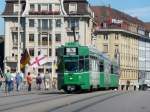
71 66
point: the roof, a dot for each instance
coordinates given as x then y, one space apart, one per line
147 26
9 7
82 6
75 0
14 0
103 12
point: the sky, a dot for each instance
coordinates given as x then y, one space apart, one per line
135 8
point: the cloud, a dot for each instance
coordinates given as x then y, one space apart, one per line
142 13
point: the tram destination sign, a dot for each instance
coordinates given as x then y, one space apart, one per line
71 51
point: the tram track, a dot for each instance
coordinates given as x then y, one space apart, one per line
98 102
26 102
60 97
108 96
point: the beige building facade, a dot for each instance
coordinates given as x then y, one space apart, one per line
121 46
119 36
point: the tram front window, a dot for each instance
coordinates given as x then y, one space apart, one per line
71 66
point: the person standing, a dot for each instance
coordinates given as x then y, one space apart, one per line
29 81
18 79
39 81
1 81
47 81
8 81
22 82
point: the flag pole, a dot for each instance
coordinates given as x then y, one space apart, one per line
19 10
53 47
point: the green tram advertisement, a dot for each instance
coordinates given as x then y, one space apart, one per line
84 68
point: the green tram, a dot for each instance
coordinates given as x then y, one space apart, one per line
84 68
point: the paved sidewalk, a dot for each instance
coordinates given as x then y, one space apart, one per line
25 92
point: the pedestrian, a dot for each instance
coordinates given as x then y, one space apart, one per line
128 85
18 79
8 81
47 81
1 81
122 87
13 75
22 82
39 81
29 81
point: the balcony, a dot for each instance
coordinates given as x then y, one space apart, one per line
45 43
68 29
15 45
44 12
15 29
11 59
40 29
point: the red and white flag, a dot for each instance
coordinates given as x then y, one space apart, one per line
39 60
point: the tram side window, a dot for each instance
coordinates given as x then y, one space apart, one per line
112 71
81 63
86 63
116 70
101 66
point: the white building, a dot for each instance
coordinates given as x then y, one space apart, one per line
45 25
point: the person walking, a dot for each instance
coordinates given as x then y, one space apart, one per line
29 81
47 81
39 81
18 79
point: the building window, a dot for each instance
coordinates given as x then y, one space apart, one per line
39 7
44 7
31 37
44 24
39 39
73 8
50 38
50 7
105 48
71 35
50 24
39 52
41 70
116 48
73 23
56 53
116 36
31 51
58 37
105 36
44 40
31 22
32 7
15 38
57 7
50 52
16 8
39 23
13 54
44 51
58 22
